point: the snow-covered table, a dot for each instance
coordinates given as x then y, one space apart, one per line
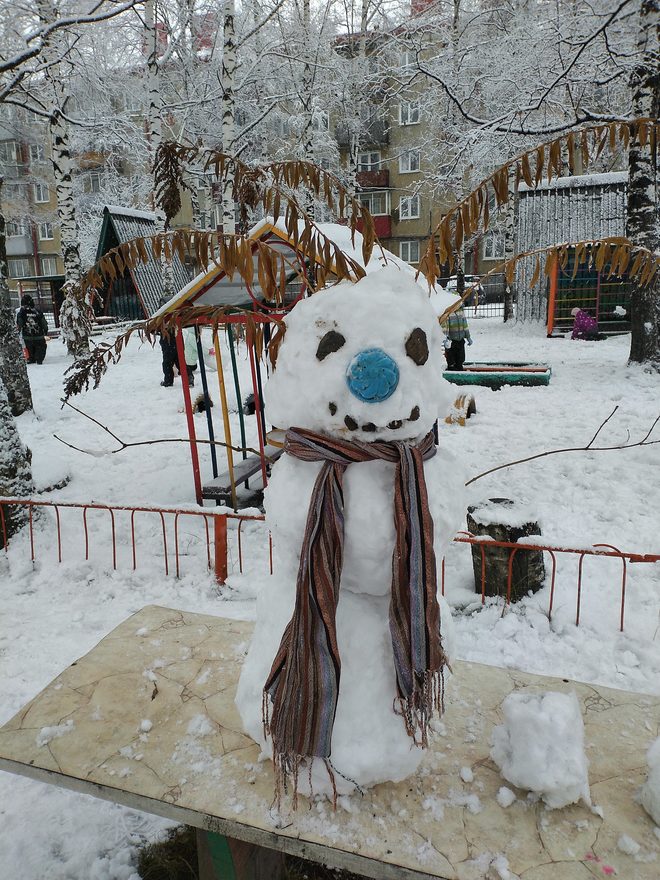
147 719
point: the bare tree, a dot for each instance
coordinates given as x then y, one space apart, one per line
25 57
582 63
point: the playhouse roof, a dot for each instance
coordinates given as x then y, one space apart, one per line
214 288
123 224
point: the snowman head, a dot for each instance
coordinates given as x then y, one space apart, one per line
361 361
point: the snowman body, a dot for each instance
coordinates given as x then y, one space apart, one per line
397 394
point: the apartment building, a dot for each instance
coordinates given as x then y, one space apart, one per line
395 165
29 206
392 171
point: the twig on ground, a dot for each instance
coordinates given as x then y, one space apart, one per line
588 448
129 445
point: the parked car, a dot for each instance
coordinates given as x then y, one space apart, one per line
471 281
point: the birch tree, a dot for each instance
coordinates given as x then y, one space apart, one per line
643 216
13 369
228 107
74 311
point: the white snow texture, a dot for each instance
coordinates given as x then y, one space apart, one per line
540 746
369 742
650 793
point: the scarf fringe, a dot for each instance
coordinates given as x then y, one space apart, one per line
422 705
288 765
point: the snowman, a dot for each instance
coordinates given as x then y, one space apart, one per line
359 368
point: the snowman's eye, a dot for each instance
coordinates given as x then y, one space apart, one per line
417 347
332 341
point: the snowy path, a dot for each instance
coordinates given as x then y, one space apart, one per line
54 613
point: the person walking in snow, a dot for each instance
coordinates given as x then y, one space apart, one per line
190 352
170 357
457 333
33 327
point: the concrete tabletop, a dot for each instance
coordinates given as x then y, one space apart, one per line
147 719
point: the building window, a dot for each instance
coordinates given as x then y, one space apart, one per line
9 152
19 267
37 153
408 113
492 246
369 161
46 231
408 60
409 161
15 191
17 227
92 182
409 251
41 193
49 266
378 203
408 207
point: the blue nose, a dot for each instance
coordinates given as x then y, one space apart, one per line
372 375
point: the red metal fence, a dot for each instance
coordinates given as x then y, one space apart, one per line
216 528
597 550
222 537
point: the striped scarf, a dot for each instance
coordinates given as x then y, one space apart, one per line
303 683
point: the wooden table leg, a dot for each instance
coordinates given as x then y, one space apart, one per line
225 858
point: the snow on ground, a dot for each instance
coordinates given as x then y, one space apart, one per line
53 613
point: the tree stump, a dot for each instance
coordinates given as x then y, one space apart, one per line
501 520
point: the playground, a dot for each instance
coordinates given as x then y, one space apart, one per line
54 612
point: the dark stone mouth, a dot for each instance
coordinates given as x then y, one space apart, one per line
370 427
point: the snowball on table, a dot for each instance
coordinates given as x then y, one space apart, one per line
650 793
540 747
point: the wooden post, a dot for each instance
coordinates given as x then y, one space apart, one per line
220 547
257 408
225 858
187 401
225 416
552 298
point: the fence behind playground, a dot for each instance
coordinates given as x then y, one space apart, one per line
175 541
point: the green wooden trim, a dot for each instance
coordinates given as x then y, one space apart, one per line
499 375
223 862
106 228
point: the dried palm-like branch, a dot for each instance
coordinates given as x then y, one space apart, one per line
89 370
275 186
551 159
615 255
235 255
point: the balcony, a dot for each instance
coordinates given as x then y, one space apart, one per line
379 179
382 225
19 245
374 132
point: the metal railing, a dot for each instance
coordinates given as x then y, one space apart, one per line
553 550
223 538
222 533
